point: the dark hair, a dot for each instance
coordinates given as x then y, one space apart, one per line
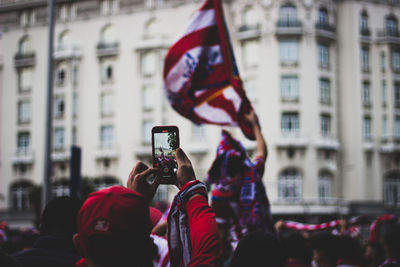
327 244
392 240
122 251
349 249
59 216
297 247
235 166
258 249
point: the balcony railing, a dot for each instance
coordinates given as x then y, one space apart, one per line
289 27
325 30
249 31
365 32
67 52
24 59
107 49
391 36
23 156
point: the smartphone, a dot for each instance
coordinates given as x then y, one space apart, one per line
165 141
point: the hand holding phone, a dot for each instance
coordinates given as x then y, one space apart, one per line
165 141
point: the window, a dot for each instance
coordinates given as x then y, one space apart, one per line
383 61
290 122
323 55
105 182
325 90
251 54
365 58
251 90
75 75
74 136
367 127
288 16
106 104
148 96
61 74
396 94
149 63
105 7
107 136
198 133
65 40
324 186
384 92
108 35
153 28
289 88
161 194
64 12
24 111
25 79
23 18
323 19
24 142
391 26
385 129
325 125
391 189
366 94
25 45
60 190
74 104
290 185
107 75
147 124
396 61
364 24
397 126
288 50
59 106
59 138
20 196
249 18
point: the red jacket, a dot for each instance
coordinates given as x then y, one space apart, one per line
206 247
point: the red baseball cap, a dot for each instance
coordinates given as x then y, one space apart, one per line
115 211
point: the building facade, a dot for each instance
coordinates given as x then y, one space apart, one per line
323 77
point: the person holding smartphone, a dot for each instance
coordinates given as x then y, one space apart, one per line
113 223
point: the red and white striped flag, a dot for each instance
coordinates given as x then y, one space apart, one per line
310 227
200 73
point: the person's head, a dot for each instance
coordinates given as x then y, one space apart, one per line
391 242
349 249
258 249
374 253
297 247
114 229
59 216
324 246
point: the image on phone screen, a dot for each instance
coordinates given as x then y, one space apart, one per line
165 145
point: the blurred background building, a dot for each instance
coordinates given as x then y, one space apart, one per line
323 76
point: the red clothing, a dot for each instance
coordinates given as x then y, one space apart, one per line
206 247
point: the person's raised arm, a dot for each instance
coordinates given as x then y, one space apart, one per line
262 150
205 244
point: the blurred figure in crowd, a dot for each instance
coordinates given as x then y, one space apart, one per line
258 249
54 247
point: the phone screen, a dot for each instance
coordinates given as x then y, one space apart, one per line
165 142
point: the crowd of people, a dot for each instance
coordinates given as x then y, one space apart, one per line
117 226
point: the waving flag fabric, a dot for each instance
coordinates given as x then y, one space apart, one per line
200 73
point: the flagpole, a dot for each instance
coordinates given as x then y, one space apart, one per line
49 109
